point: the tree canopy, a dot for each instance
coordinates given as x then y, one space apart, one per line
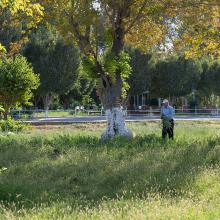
17 82
141 76
56 62
18 17
175 77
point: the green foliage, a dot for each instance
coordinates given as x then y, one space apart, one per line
213 77
80 92
124 65
111 65
175 77
54 60
87 100
17 81
17 19
2 50
208 90
88 67
141 76
121 64
125 70
10 31
1 109
10 125
108 38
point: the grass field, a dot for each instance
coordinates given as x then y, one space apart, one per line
53 114
68 173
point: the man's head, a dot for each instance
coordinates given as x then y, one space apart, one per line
165 102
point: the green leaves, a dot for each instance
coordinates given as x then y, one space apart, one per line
1 109
88 66
11 125
17 81
125 70
3 169
2 50
18 18
175 76
54 60
110 64
124 65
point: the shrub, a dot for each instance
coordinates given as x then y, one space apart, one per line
1 111
12 125
17 82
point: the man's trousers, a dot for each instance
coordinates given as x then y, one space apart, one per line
168 130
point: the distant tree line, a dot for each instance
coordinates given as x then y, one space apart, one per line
175 76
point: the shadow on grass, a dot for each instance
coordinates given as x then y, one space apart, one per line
84 167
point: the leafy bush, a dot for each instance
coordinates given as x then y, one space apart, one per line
12 125
17 82
1 111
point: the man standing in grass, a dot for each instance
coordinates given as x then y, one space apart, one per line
167 114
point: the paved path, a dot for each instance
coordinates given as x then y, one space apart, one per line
101 119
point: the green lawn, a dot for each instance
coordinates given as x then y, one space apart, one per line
60 114
51 113
68 173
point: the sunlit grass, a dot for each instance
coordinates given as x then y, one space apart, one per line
69 173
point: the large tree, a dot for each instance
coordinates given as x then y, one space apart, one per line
101 28
56 62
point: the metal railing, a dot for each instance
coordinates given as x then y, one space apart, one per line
178 112
40 113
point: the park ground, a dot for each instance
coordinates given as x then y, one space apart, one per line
67 172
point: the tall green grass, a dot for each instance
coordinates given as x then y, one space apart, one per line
69 173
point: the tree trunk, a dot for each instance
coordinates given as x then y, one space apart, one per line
46 111
111 93
108 90
112 103
116 124
47 99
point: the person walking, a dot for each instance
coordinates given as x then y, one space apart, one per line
167 116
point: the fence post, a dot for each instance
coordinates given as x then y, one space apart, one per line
195 110
151 112
46 113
